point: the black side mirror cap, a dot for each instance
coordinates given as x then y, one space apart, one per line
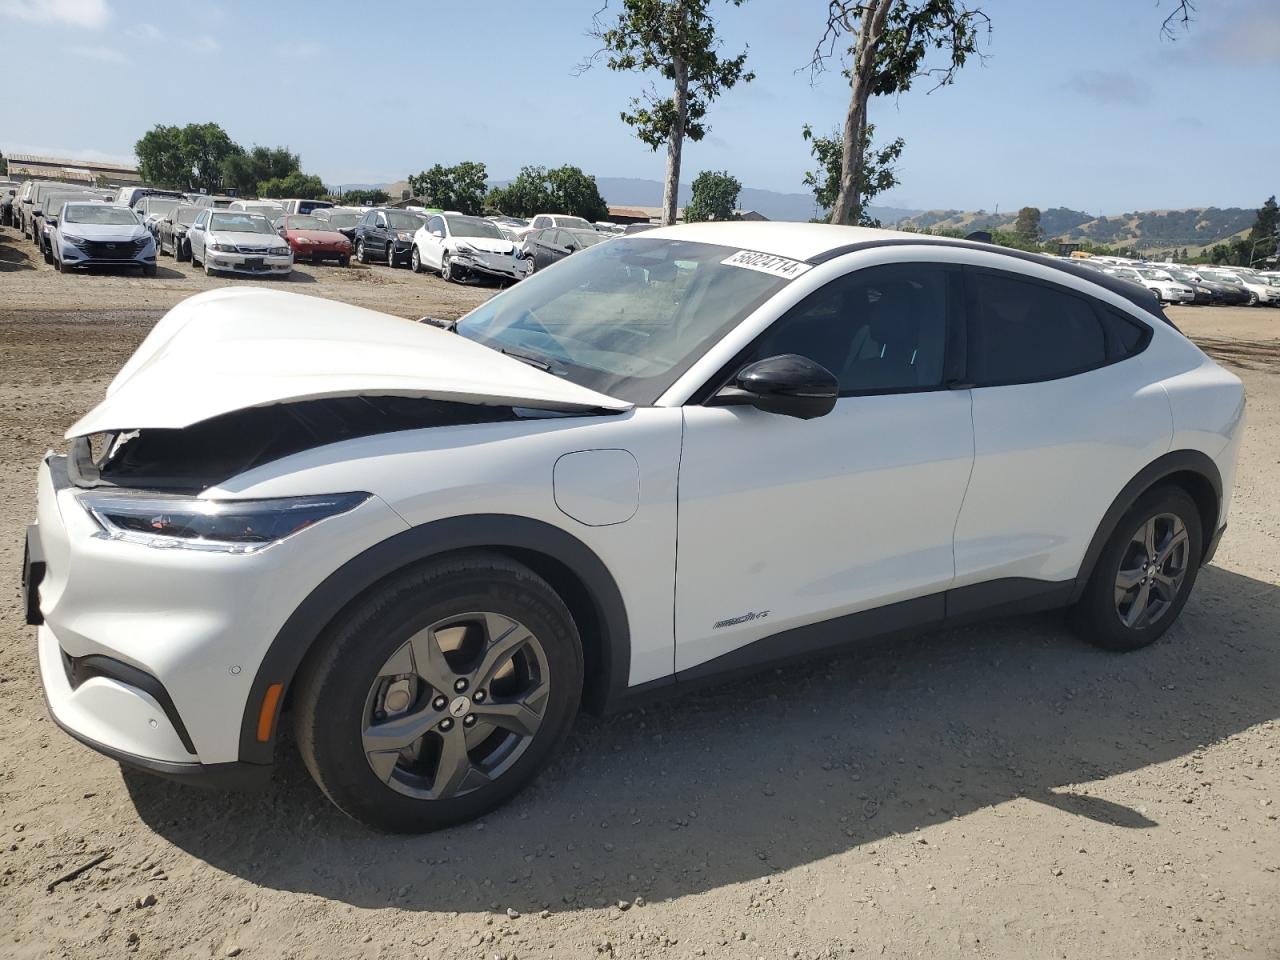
789 385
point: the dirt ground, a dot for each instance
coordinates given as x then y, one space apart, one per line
996 791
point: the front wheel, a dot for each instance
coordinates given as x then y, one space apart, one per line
1145 573
446 267
391 255
361 254
415 260
441 694
344 261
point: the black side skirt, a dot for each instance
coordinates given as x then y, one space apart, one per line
997 598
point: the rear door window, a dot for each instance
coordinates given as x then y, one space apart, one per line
1024 331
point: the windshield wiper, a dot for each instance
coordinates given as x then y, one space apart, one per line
534 362
449 325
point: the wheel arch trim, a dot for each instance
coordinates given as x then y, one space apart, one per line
522 537
1169 465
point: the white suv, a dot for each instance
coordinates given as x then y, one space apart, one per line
676 455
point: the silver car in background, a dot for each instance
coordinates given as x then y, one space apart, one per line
236 241
88 234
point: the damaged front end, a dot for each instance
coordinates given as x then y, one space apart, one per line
205 454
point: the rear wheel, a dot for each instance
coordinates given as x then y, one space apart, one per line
1145 573
441 694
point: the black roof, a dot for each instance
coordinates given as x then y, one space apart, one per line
1135 293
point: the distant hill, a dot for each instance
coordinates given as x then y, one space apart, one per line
1193 228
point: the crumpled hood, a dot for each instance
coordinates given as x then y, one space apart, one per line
486 244
244 239
230 349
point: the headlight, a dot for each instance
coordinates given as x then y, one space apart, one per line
404 235
222 247
302 239
74 241
464 248
222 526
278 252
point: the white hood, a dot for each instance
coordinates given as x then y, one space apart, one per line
230 349
486 244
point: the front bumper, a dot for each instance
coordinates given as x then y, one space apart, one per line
326 251
150 655
258 264
74 256
494 264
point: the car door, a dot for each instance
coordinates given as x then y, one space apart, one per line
197 234
1063 418
377 241
785 524
433 242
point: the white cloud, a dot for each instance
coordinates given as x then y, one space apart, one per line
93 14
204 46
100 53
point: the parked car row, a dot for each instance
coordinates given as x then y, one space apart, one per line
1194 284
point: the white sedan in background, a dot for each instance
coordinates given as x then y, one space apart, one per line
1166 288
235 241
459 246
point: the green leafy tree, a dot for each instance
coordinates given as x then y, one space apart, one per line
304 186
1027 226
677 39
102 181
715 194
189 157
243 170
358 198
1264 238
539 190
460 187
4 165
878 171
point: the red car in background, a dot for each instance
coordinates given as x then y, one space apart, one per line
313 239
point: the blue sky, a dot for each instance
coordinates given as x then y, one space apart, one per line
1080 104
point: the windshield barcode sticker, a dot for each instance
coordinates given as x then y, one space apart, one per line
767 263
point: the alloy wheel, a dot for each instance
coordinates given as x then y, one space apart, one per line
1152 569
455 706
446 266
415 263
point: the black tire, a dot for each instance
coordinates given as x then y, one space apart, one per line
415 260
339 681
361 254
195 264
391 255
1097 616
181 252
149 270
344 261
446 267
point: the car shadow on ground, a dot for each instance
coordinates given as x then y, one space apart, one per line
12 256
724 786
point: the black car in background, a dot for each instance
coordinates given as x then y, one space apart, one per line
170 231
555 243
385 233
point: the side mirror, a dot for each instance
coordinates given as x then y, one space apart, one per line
438 233
788 384
53 221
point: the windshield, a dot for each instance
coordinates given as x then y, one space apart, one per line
1155 274
586 238
241 222
102 213
341 221
1125 273
307 223
573 223
473 227
186 214
160 206
400 220
1182 275
626 318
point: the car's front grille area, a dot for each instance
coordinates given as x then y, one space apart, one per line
256 251
114 249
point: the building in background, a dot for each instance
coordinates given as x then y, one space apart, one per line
26 167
